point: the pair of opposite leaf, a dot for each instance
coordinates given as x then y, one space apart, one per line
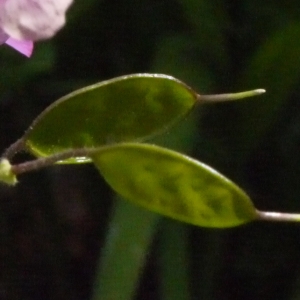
104 122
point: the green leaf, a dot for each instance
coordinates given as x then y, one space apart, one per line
174 185
127 108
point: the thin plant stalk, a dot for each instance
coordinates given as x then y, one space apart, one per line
130 234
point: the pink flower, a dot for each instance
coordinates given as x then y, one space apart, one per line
24 21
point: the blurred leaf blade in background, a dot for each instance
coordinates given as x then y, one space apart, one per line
127 108
276 66
174 185
208 23
173 259
124 255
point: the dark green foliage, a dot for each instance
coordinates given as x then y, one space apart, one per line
53 223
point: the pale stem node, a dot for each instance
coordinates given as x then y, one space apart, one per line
6 174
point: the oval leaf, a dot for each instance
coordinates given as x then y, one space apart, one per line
126 108
174 185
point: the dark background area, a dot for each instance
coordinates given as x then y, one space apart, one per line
54 222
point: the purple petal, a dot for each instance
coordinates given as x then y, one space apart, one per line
24 47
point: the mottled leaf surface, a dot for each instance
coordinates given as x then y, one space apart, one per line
174 185
127 108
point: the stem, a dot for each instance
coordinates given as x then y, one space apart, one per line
277 216
48 161
13 149
230 97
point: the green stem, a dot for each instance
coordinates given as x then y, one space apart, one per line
230 97
129 236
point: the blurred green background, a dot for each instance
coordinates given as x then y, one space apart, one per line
57 225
